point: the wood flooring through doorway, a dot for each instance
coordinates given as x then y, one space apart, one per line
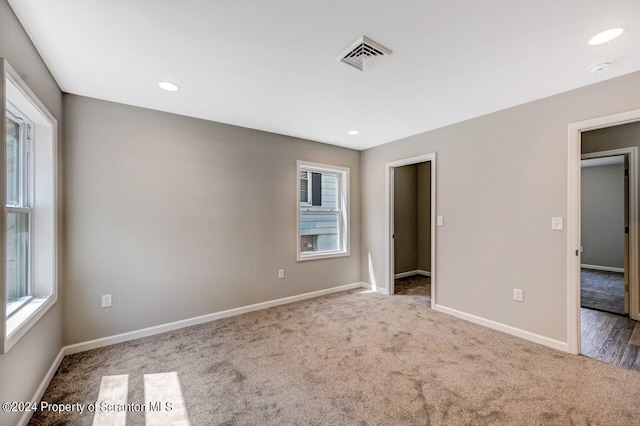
602 290
614 339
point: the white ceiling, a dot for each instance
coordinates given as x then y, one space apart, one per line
271 65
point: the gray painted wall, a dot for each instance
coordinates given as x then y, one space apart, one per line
412 219
24 366
602 209
624 136
500 179
424 216
405 227
178 217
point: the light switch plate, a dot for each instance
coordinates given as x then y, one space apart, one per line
557 223
440 220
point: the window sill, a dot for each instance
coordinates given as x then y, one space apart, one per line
17 305
328 255
25 318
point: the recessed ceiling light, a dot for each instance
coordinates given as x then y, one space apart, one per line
606 36
353 132
601 66
168 86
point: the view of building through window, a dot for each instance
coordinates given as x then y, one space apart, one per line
320 213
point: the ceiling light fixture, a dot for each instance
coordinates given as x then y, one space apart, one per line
353 132
606 36
168 86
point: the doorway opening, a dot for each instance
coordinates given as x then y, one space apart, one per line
604 207
603 274
410 223
412 229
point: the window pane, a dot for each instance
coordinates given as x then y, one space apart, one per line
329 188
304 188
17 256
13 163
308 243
319 231
324 190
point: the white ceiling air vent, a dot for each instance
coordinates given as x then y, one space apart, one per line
364 53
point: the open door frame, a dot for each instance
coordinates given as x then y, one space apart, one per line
389 249
573 222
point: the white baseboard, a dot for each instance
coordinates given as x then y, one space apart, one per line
412 273
546 341
150 331
44 384
602 268
373 287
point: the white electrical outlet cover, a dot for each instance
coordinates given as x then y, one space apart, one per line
518 295
106 300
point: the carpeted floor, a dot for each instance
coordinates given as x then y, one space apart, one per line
355 357
602 290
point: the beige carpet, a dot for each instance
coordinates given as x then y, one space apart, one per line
345 359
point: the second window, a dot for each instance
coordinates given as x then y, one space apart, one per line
323 210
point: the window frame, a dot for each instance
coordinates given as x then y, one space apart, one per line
44 172
344 209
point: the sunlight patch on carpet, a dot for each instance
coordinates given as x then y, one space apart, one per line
165 388
113 392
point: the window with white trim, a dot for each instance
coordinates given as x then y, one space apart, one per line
19 196
323 210
30 267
